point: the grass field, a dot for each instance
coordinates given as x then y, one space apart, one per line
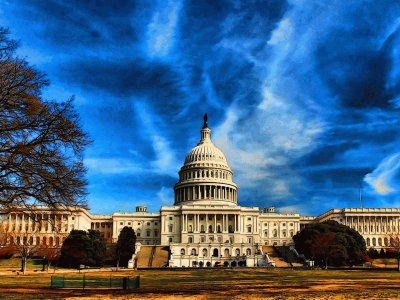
218 284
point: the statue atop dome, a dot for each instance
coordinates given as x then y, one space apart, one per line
205 118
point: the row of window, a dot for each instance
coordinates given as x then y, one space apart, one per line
37 217
206 174
38 227
44 241
275 224
147 234
376 228
211 239
373 241
130 223
215 252
275 233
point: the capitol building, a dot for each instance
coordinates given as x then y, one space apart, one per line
205 227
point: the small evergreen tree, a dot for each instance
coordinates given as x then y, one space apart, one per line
382 253
125 246
373 253
83 248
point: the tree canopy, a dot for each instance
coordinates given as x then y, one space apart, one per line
331 243
41 141
125 246
83 248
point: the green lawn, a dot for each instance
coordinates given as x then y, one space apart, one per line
220 284
15 264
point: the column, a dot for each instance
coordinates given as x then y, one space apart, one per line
215 223
206 223
223 223
186 222
23 222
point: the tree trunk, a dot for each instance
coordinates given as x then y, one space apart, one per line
23 264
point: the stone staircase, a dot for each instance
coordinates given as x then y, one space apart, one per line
160 257
144 256
274 256
152 257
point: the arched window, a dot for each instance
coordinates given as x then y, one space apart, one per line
275 233
51 241
291 233
37 240
190 228
380 241
265 233
249 228
248 251
368 242
210 228
373 241
205 252
230 229
226 252
193 252
219 228
170 227
237 251
182 251
190 239
215 252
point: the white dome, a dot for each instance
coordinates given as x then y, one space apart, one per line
208 153
205 177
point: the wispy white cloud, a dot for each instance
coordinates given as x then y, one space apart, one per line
282 34
162 29
164 161
385 179
166 195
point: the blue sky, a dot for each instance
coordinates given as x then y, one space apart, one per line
302 96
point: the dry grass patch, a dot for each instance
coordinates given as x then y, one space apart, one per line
219 284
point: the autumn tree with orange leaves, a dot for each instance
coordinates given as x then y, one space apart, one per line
393 247
41 141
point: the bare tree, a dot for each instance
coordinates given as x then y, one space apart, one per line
20 243
41 142
20 239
